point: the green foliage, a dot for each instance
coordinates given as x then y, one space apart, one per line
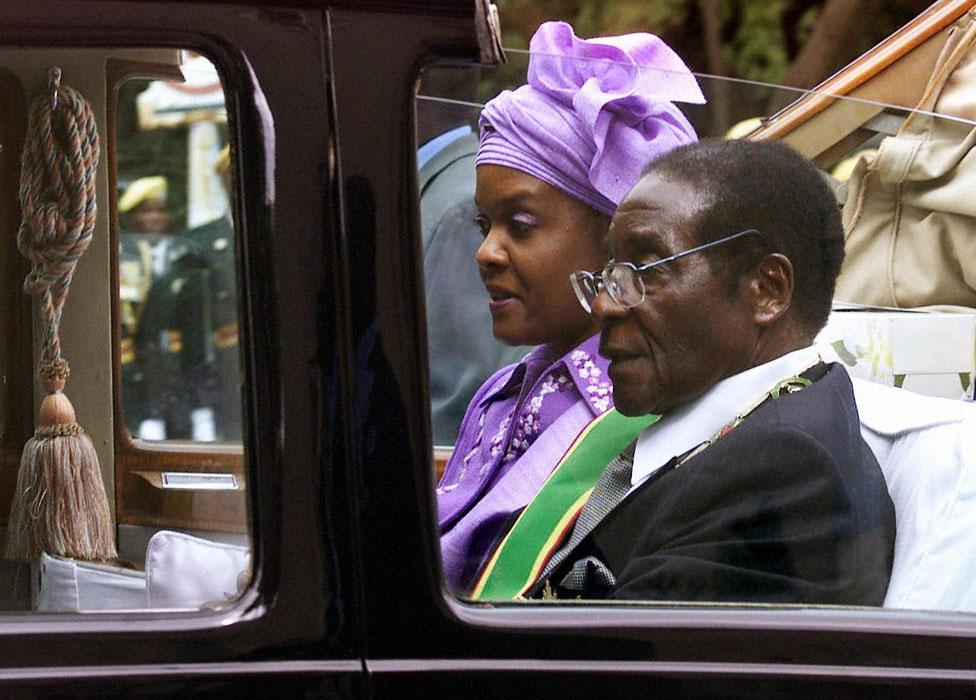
805 26
590 18
612 17
758 47
761 38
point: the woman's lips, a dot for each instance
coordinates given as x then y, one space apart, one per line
500 299
499 305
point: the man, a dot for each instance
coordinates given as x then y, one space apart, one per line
755 485
188 335
146 249
143 206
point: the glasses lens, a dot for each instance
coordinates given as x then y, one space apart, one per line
624 284
585 288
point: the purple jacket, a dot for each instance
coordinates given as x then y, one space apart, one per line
517 427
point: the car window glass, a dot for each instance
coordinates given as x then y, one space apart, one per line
150 329
177 283
904 317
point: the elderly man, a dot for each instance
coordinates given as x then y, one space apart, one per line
755 485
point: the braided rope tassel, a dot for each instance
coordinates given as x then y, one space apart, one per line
59 505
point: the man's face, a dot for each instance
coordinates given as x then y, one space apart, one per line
692 329
151 216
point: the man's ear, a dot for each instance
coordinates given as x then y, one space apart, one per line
769 288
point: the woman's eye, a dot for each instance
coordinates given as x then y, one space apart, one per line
521 225
483 224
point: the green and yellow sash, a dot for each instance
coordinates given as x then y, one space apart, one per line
517 562
519 558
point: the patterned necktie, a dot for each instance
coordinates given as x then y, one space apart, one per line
610 489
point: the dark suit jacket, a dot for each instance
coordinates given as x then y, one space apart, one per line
789 507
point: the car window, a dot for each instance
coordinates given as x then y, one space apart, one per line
151 331
177 282
902 326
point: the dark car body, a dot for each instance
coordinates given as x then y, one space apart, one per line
347 597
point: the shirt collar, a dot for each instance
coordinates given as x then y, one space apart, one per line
697 421
585 366
588 370
513 379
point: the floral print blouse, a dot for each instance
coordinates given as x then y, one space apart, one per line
494 470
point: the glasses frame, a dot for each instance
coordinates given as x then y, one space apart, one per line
599 278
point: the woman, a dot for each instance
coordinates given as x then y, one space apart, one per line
555 158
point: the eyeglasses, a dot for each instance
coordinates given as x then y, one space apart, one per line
624 281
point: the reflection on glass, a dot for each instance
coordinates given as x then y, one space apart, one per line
177 283
897 176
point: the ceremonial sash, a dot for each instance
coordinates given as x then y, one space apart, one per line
509 494
524 551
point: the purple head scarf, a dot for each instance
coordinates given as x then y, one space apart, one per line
592 115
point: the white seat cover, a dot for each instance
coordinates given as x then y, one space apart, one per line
183 571
69 585
927 450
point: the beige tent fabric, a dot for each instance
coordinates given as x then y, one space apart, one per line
910 214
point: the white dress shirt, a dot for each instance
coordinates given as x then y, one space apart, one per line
697 421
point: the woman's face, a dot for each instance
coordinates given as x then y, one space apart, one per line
535 236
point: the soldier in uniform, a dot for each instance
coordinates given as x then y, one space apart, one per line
188 335
144 251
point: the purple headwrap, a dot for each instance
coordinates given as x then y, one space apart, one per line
593 114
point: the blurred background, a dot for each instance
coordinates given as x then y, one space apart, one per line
796 43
